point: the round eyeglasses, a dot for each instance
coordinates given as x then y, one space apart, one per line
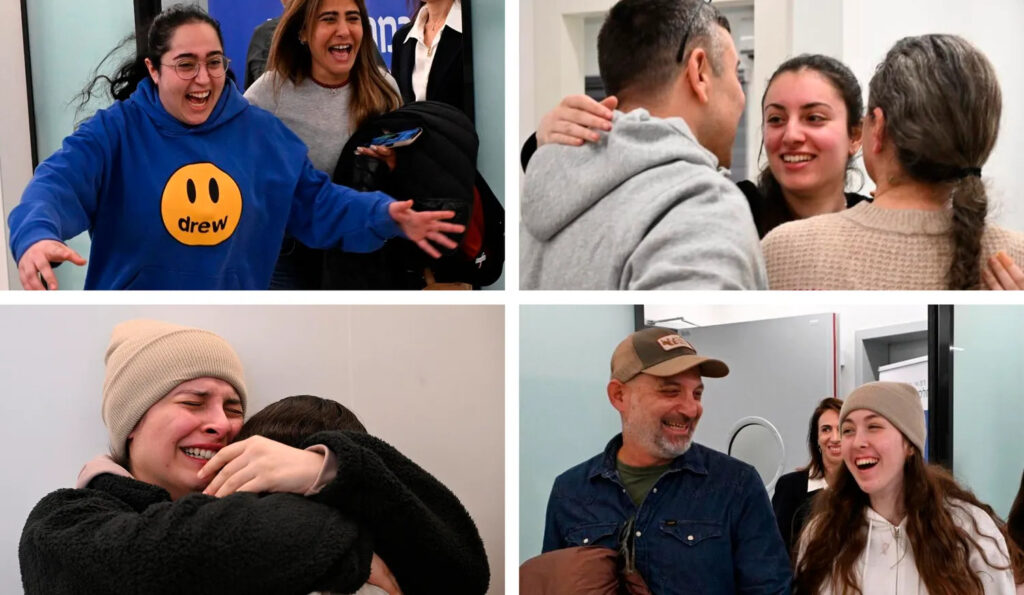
189 69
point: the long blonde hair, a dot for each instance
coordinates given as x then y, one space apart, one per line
290 59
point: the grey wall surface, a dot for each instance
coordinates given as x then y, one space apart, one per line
427 379
779 370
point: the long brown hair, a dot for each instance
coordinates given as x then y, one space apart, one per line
943 137
816 468
837 534
290 59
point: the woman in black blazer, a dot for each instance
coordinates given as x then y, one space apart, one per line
795 491
428 56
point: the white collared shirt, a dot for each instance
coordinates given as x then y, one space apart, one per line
425 54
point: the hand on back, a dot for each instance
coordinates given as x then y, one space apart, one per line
576 120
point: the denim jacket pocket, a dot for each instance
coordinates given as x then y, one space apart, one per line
603 534
692 533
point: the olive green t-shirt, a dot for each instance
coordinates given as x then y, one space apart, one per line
638 481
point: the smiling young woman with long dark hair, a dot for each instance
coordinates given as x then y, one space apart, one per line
892 523
183 185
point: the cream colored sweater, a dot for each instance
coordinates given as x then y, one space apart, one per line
868 247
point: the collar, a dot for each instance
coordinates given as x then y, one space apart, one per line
816 484
693 460
97 466
453 22
902 221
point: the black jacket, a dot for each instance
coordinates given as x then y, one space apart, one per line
792 504
447 81
120 535
437 172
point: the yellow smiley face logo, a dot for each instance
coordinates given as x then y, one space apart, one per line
201 205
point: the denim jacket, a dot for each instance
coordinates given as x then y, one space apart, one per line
705 527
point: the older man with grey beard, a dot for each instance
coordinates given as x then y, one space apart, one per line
691 519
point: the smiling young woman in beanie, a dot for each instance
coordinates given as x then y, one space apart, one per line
893 523
173 399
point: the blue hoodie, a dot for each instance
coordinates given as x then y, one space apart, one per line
172 206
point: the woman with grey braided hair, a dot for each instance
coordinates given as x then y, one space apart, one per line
932 120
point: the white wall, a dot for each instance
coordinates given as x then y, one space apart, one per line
851 320
428 379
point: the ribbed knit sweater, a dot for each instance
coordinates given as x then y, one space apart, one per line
869 247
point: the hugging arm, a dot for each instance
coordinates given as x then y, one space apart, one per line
419 527
121 535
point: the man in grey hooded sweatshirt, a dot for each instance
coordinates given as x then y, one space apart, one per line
646 206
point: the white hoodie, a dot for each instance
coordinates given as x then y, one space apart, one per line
887 564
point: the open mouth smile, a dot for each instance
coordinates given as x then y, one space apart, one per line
865 463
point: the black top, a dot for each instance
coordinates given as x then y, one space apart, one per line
446 82
792 503
769 214
259 50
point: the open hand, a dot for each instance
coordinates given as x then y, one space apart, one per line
260 464
385 154
36 261
424 227
576 120
1002 273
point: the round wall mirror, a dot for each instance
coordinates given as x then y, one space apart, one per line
754 440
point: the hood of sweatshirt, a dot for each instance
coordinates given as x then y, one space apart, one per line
559 189
146 97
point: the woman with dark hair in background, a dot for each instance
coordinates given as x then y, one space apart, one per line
182 184
795 491
890 522
322 81
428 55
924 146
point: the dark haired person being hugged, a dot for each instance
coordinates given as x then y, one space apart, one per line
925 149
183 185
380 473
794 492
145 520
811 127
322 81
892 523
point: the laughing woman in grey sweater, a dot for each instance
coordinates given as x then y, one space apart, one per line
322 82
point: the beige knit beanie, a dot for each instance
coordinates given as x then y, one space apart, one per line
897 402
148 358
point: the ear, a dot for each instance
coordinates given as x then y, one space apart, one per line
856 137
877 139
154 73
697 72
616 395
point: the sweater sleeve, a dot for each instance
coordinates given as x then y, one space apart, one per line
325 215
420 529
125 536
60 201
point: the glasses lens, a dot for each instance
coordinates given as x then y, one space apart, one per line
216 66
187 69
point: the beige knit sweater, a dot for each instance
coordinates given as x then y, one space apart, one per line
868 247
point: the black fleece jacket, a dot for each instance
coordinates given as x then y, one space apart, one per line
121 535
